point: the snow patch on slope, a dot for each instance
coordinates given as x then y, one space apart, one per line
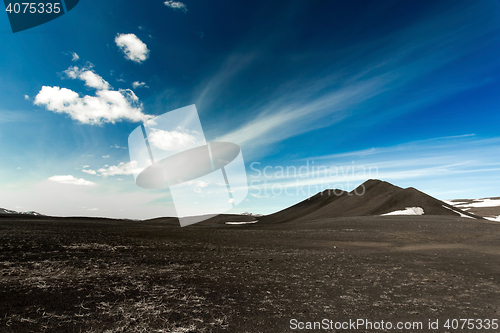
476 203
249 222
461 214
483 203
454 203
407 211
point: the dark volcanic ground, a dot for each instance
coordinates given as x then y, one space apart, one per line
91 275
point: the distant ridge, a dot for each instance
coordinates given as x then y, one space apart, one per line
4 211
488 208
373 197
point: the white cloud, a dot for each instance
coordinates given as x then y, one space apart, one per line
118 147
201 183
71 180
75 57
108 106
138 84
120 169
133 48
259 196
171 141
87 75
26 97
176 5
105 156
89 171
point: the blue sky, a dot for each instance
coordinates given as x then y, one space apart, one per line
407 92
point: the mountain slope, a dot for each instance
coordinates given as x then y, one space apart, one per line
373 197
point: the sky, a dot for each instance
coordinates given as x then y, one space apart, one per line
317 94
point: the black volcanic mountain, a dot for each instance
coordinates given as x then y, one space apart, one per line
373 197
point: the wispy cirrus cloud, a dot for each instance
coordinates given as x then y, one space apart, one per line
362 83
412 146
282 119
214 86
425 164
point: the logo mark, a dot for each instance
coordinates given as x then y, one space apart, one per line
205 178
25 15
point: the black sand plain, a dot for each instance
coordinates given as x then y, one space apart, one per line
101 275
